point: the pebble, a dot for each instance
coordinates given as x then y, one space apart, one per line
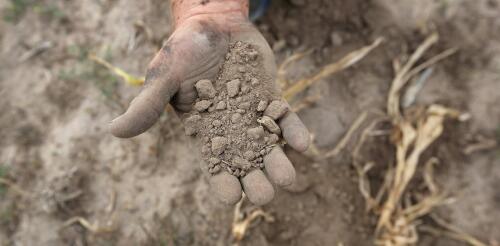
241 163
276 109
244 105
255 133
252 54
235 118
249 155
254 81
220 105
241 111
219 144
233 87
236 173
205 89
270 124
202 105
214 170
262 106
213 161
245 89
217 123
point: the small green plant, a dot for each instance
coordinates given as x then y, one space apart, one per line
3 174
50 11
16 10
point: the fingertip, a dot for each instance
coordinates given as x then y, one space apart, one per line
295 132
257 187
279 168
226 187
133 123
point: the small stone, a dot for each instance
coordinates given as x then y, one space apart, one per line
262 106
255 133
215 170
244 105
213 161
190 124
211 109
235 118
260 159
241 111
276 109
243 173
262 152
233 87
217 123
270 124
242 69
220 105
254 81
241 163
252 54
219 144
202 105
236 173
273 139
238 99
249 155
245 89
205 89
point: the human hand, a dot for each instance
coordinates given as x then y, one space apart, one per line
195 51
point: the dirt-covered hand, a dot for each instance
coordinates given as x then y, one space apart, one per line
195 51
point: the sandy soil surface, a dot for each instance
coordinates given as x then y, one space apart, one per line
65 169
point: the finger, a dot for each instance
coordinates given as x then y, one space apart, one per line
147 107
226 187
294 131
258 189
279 169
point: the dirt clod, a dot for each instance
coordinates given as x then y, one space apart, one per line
270 124
233 87
276 109
255 133
228 112
202 105
262 106
205 89
219 145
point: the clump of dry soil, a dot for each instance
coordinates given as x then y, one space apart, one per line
235 116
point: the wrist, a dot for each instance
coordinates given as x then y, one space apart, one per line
226 13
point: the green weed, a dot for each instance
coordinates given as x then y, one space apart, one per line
3 174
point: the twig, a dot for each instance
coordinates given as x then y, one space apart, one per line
94 228
241 223
451 232
347 61
345 139
288 61
401 77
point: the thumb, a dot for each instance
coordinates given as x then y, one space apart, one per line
147 107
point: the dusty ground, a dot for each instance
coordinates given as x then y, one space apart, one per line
149 190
